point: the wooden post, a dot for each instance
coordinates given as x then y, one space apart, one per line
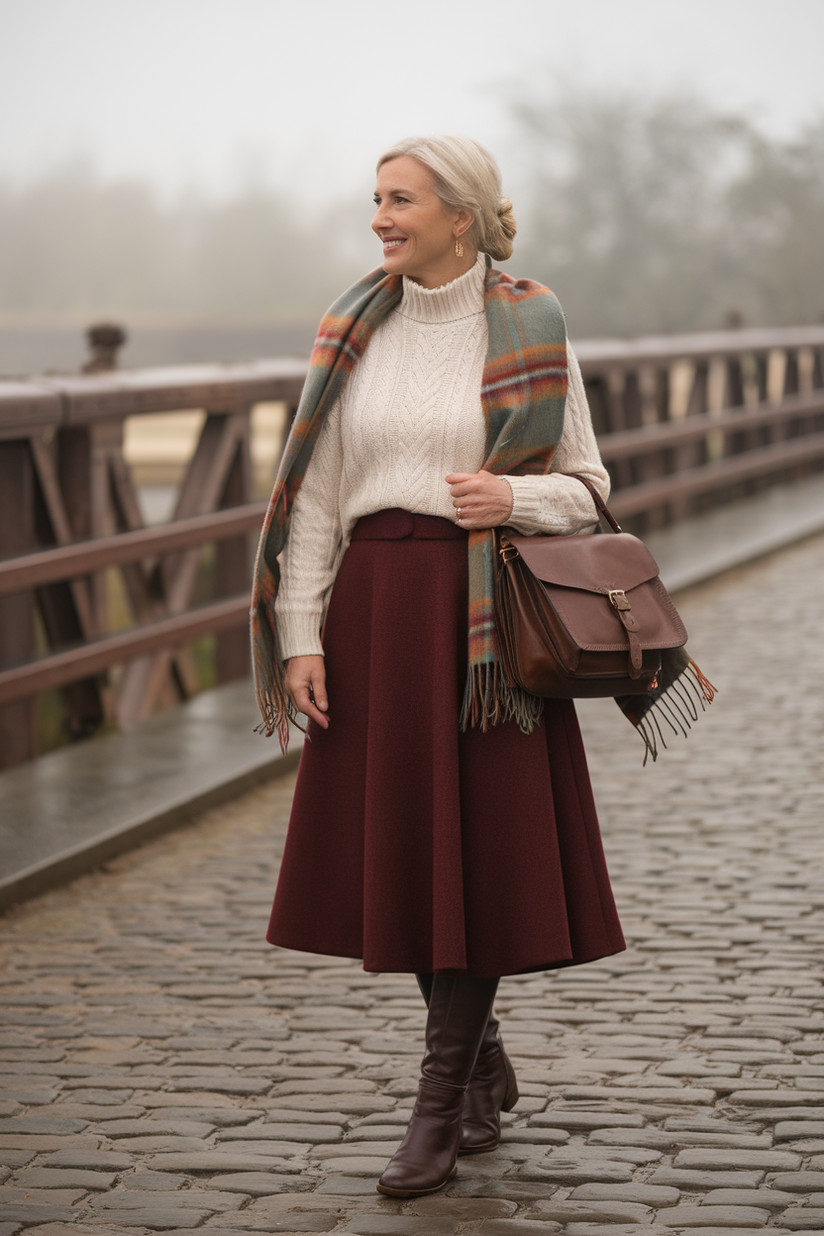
597 404
737 443
64 606
818 368
233 565
83 454
791 372
734 388
105 339
74 469
631 406
632 399
18 721
613 389
658 405
762 370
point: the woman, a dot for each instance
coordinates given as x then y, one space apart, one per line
442 825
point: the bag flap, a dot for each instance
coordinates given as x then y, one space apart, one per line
595 562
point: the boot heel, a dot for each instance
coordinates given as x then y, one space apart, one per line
512 1095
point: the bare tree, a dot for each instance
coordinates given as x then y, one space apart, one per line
658 214
777 207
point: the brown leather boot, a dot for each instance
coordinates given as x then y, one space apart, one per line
427 1158
493 1087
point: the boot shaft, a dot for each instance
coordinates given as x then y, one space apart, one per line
459 1011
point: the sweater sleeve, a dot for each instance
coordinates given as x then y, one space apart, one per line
558 504
309 558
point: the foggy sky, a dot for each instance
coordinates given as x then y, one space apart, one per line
221 94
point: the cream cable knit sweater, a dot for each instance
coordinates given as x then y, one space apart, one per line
409 415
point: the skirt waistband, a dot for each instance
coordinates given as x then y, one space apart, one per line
399 525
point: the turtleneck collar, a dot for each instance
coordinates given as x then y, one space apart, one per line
462 298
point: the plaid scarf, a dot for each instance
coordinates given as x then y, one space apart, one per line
523 395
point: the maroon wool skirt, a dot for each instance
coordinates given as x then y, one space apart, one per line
412 845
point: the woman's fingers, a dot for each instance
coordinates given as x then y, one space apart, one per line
317 689
466 491
305 683
481 499
306 702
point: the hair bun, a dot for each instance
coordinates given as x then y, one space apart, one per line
501 246
506 217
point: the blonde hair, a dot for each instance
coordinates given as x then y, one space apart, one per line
466 178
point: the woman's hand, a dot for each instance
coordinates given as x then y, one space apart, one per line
481 499
305 683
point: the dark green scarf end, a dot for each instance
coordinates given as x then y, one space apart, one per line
674 704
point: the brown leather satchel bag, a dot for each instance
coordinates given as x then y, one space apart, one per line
582 616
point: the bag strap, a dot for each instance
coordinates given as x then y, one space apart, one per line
598 500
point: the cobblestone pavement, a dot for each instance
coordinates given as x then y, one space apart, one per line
163 1069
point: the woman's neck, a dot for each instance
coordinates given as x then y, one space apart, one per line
450 269
461 297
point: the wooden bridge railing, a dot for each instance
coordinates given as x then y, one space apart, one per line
69 505
684 423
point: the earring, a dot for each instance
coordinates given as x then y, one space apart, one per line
458 248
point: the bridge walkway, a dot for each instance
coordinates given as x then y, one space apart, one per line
163 1069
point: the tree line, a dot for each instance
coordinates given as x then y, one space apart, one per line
644 214
662 215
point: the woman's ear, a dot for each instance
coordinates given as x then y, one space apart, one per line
463 222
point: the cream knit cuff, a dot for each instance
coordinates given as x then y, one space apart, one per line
299 634
526 504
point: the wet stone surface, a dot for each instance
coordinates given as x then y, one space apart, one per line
163 1069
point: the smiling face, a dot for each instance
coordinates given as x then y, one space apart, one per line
417 231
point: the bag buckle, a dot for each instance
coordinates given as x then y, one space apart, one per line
508 551
618 599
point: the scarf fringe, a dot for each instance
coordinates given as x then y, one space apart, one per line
488 700
707 689
277 712
275 706
277 719
693 689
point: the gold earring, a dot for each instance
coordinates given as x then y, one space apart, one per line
458 248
